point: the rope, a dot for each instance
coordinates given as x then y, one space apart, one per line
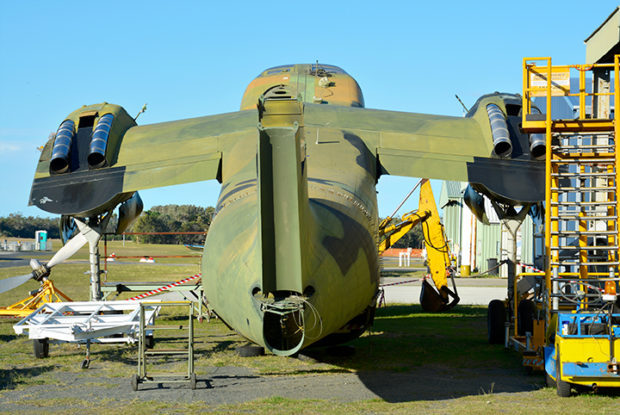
399 283
165 287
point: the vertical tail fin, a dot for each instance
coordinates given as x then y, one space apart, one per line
282 191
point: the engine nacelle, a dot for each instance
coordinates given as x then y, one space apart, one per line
88 138
87 144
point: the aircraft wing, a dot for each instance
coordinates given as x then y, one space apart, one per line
142 157
442 147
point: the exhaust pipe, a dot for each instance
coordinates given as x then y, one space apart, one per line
499 130
99 142
62 147
538 146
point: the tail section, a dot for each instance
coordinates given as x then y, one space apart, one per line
283 219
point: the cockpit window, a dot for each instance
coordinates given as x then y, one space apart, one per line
325 70
277 69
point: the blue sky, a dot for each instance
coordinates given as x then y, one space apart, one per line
188 59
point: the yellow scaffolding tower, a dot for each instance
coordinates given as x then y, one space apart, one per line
582 173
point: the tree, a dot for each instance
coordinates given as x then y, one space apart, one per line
174 218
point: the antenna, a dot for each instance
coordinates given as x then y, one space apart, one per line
461 102
141 111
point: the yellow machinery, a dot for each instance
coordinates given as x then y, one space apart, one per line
573 316
438 252
47 293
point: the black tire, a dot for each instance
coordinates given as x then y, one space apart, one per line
192 381
525 317
134 382
496 317
562 388
41 348
85 364
250 350
149 341
549 380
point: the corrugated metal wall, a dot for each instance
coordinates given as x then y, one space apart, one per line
487 244
488 237
452 225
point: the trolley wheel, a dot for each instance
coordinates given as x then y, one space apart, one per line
149 341
525 317
192 381
134 382
250 350
496 317
562 388
85 363
41 348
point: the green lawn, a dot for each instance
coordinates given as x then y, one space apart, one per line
404 339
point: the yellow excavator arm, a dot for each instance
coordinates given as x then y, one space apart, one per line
437 250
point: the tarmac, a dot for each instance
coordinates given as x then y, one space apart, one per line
472 291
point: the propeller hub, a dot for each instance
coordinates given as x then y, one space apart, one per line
39 271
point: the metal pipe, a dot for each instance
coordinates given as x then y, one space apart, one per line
499 130
62 146
538 146
99 142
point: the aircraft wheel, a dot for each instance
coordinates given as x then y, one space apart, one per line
525 314
41 348
496 317
250 350
562 388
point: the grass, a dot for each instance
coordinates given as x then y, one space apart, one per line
403 340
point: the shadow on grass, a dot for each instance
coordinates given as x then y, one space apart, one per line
7 337
9 378
412 355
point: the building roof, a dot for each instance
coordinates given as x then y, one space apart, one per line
449 191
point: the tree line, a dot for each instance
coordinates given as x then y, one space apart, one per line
165 218
20 226
173 218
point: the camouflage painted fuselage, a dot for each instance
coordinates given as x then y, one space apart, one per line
340 271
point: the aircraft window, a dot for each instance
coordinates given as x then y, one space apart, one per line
325 70
277 69
271 72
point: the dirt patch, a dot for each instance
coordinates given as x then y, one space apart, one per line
226 385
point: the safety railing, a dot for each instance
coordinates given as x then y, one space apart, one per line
536 73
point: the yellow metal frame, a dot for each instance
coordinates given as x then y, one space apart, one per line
581 123
47 293
548 125
582 349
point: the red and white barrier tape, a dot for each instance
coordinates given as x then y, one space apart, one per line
398 283
530 268
165 287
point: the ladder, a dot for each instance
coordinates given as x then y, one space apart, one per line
582 217
582 177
